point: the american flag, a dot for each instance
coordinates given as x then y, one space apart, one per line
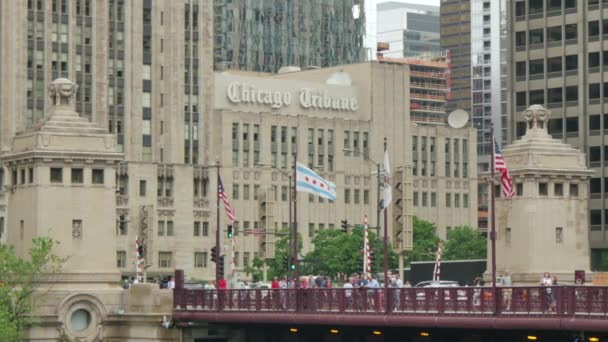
505 179
224 198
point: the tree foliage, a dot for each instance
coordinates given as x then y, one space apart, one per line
276 267
20 281
465 243
337 254
425 242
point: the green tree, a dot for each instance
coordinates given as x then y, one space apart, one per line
337 254
20 284
464 243
276 267
425 242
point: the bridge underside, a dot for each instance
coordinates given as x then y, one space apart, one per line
502 322
217 332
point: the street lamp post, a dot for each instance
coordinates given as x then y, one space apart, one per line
378 203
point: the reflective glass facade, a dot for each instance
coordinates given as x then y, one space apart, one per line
264 35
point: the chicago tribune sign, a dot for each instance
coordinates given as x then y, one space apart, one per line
240 92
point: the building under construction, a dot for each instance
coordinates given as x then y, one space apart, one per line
444 161
429 84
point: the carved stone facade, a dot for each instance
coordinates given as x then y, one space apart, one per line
544 228
63 186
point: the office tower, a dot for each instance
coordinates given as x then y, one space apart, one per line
409 29
556 50
456 37
264 35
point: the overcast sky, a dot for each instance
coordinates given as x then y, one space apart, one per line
421 2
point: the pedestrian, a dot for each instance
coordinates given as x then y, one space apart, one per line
283 283
170 283
548 281
275 283
348 292
399 281
507 291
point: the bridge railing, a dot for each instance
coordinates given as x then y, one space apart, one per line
519 301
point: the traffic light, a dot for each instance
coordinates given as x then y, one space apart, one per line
292 264
286 261
230 231
220 265
214 254
344 226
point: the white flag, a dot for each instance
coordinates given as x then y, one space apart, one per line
388 189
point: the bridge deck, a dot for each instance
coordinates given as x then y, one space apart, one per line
551 308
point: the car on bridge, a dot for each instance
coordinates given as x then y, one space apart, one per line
420 295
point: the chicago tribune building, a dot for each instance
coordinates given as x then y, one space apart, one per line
174 119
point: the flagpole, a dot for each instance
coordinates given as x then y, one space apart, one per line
296 278
386 245
217 232
493 212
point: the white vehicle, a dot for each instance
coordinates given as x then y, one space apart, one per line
420 295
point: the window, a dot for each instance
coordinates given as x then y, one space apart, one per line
235 191
520 38
365 196
433 199
519 188
594 28
559 234
595 186
456 200
161 228
520 98
425 199
142 188
415 198
520 8
572 62
594 122
572 125
197 228
594 91
356 196
554 64
542 189
595 217
77 176
169 228
311 229
56 175
97 177
200 259
448 200
536 66
77 229
284 193
571 31
573 190
121 259
465 200
347 196
558 189
206 228
554 34
571 93
537 97
246 257
536 36
554 95
594 59
246 192
164 259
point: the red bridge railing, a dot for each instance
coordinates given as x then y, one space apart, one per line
580 301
